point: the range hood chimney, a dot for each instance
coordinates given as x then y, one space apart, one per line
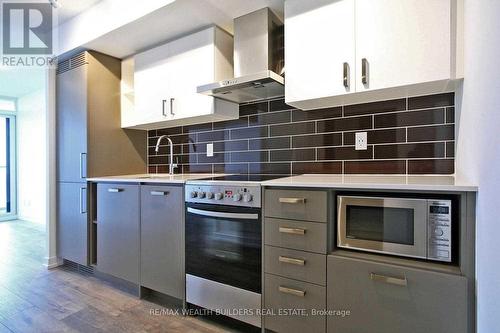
258 57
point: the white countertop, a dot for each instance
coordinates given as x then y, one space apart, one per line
382 182
161 178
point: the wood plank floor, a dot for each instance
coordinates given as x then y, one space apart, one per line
34 299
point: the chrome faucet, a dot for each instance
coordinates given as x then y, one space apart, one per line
171 165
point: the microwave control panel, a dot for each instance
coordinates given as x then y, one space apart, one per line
439 230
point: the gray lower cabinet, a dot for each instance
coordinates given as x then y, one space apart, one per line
162 241
282 295
297 205
298 235
72 222
298 265
118 220
385 298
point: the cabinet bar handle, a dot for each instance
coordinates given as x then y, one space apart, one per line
83 200
291 291
163 111
172 106
292 200
346 75
159 193
389 279
294 231
83 165
292 261
115 190
364 71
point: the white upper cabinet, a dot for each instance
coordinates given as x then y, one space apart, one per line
319 48
403 41
350 51
152 85
166 77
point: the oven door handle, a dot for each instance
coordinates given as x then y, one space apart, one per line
210 213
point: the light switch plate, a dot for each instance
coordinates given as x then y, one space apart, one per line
361 141
210 149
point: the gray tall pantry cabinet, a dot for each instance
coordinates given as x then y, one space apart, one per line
90 143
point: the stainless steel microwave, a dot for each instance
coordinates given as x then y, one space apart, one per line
418 228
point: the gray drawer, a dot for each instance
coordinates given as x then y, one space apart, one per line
282 293
386 298
296 205
299 265
297 235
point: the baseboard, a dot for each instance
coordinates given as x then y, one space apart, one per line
53 262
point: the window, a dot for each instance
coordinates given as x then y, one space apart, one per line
8 207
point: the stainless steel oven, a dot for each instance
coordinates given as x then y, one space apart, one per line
410 227
224 249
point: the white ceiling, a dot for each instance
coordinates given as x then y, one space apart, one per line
174 20
71 8
18 81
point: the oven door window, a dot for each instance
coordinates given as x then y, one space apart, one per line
380 224
223 244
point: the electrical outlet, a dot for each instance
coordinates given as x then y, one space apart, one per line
361 141
210 149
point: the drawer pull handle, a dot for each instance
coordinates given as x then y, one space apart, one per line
291 291
389 279
115 190
293 231
292 261
158 193
293 200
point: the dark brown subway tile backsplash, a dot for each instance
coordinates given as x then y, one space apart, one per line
431 101
414 135
375 107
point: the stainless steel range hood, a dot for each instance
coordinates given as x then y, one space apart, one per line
258 57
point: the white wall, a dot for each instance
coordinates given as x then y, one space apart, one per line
31 152
478 148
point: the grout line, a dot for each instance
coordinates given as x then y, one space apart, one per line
310 147
326 160
330 132
323 119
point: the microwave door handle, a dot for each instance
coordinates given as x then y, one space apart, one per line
209 213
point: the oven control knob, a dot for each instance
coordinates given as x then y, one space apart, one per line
247 197
237 197
210 195
218 196
193 194
201 195
438 232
